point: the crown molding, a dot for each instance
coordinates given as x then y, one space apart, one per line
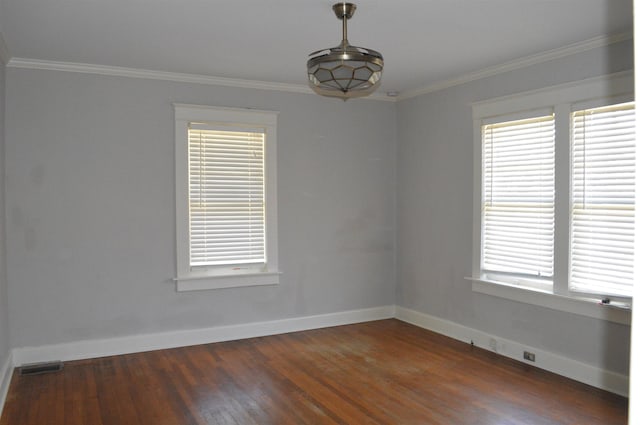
523 62
117 71
4 51
85 68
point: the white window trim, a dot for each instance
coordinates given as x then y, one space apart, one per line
614 88
224 277
589 307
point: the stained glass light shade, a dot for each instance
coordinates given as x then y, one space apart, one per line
345 71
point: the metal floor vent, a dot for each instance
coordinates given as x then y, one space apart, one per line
38 368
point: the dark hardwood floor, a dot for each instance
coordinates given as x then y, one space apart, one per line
384 372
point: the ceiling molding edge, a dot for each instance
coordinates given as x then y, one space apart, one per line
523 62
4 51
117 71
571 49
85 68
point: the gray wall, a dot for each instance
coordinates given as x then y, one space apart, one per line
90 210
4 305
435 212
90 207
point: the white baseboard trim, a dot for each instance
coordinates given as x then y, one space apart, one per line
582 372
5 379
88 349
604 379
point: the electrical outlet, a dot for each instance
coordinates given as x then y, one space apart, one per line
493 344
529 356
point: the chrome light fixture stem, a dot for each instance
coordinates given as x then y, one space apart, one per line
345 71
344 12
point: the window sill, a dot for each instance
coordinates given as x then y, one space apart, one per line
204 282
589 307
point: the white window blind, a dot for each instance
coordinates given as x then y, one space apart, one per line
518 196
226 196
603 197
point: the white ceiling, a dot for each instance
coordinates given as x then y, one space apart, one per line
423 42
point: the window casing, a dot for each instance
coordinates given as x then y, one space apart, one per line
226 217
566 104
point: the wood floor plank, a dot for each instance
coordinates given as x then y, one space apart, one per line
384 372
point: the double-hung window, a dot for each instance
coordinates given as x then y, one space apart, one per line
603 165
518 198
555 173
226 217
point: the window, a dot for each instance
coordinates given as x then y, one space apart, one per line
226 196
226 218
603 200
518 197
555 194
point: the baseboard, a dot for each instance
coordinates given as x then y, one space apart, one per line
88 349
582 372
5 379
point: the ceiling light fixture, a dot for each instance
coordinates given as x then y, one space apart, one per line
345 71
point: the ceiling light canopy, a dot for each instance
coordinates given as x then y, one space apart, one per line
345 71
